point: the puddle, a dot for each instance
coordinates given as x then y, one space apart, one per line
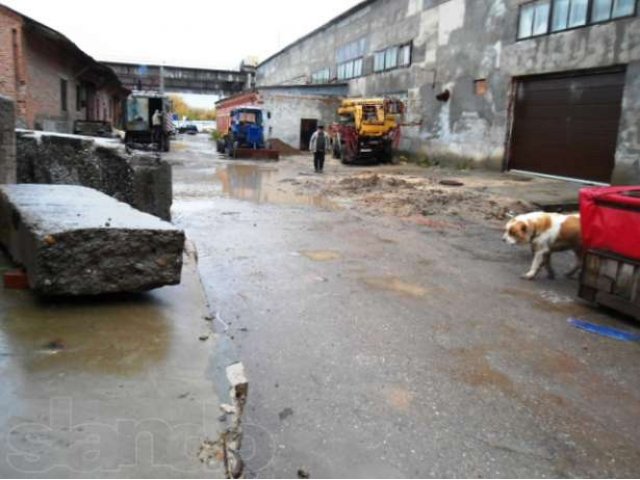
395 285
117 337
262 184
320 255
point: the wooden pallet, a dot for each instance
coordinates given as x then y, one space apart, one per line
611 280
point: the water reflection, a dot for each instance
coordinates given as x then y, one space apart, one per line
263 184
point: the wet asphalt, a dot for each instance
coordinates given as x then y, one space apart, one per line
379 348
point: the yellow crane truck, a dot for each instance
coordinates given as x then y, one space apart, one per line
367 129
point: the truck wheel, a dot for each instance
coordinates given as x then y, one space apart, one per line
386 154
348 155
234 152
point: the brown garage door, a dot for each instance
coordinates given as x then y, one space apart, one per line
567 126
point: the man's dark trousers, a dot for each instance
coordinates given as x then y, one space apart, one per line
318 161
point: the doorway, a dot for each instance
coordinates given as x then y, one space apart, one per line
307 127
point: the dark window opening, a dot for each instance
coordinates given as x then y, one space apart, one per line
81 97
63 95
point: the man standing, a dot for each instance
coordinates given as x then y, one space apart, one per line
318 144
156 125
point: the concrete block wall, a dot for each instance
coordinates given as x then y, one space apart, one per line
141 180
7 141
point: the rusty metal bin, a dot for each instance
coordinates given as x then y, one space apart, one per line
611 280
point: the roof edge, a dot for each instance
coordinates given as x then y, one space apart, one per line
331 22
29 22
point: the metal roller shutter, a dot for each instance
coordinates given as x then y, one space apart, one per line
567 125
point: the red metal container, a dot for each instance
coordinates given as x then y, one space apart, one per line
610 220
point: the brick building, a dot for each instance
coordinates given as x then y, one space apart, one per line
51 80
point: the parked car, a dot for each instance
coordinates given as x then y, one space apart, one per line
189 128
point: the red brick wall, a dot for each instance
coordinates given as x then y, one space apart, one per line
13 81
31 68
47 65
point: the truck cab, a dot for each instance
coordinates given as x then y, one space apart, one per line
367 128
141 106
242 128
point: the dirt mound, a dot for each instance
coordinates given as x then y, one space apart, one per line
283 148
413 197
373 181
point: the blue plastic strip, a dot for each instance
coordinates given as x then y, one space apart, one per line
605 331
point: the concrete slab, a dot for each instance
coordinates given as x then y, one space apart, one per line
77 241
109 387
142 180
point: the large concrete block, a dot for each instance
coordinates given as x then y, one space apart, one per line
74 240
140 179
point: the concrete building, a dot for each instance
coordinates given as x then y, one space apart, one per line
546 86
53 82
292 111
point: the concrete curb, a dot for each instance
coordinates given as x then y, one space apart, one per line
229 378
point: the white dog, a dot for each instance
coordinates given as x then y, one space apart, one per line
546 233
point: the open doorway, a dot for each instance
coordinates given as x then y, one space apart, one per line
307 127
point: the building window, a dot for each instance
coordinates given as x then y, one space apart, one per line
404 55
81 97
378 61
63 95
392 57
534 19
543 16
321 76
350 69
569 14
352 50
603 10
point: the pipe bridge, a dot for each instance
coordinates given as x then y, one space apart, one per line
183 79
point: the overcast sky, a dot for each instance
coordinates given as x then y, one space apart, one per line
192 33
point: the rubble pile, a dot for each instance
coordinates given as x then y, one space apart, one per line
407 196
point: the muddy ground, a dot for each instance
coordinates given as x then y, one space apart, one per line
437 194
386 331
